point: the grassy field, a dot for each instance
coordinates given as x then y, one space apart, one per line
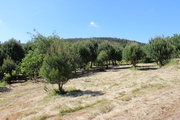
120 93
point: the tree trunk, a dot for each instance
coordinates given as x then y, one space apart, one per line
60 85
160 62
91 64
134 63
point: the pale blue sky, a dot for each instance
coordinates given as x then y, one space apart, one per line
131 19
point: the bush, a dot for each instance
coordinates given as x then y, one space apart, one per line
3 83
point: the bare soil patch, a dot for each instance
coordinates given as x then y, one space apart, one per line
119 93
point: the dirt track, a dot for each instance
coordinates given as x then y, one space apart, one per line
117 94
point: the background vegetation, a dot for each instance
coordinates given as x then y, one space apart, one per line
57 60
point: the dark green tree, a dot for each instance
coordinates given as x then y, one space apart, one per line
132 53
93 47
107 47
58 64
14 50
84 53
118 53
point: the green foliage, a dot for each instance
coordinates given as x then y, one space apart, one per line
102 57
2 56
175 41
118 52
53 92
58 64
145 58
3 83
93 47
31 64
160 50
40 43
8 66
132 53
14 50
84 54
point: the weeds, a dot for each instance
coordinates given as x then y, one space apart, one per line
67 109
42 117
136 91
3 83
106 107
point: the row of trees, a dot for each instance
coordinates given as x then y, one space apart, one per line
57 60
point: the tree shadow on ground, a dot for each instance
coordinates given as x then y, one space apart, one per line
146 68
4 89
77 93
88 72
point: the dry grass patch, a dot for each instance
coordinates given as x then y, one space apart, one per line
126 97
147 88
67 109
41 117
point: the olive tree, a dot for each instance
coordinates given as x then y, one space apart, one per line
160 50
102 58
132 53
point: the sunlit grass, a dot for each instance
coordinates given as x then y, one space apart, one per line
67 109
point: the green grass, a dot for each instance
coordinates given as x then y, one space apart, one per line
173 62
53 92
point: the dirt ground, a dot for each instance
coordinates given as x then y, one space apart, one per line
120 93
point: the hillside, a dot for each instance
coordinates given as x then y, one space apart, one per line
120 41
118 93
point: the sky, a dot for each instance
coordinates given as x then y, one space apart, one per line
138 20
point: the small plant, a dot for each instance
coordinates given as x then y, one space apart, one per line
163 107
136 91
53 92
3 83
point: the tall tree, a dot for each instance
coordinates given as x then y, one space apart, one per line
93 47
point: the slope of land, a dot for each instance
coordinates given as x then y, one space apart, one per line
117 94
